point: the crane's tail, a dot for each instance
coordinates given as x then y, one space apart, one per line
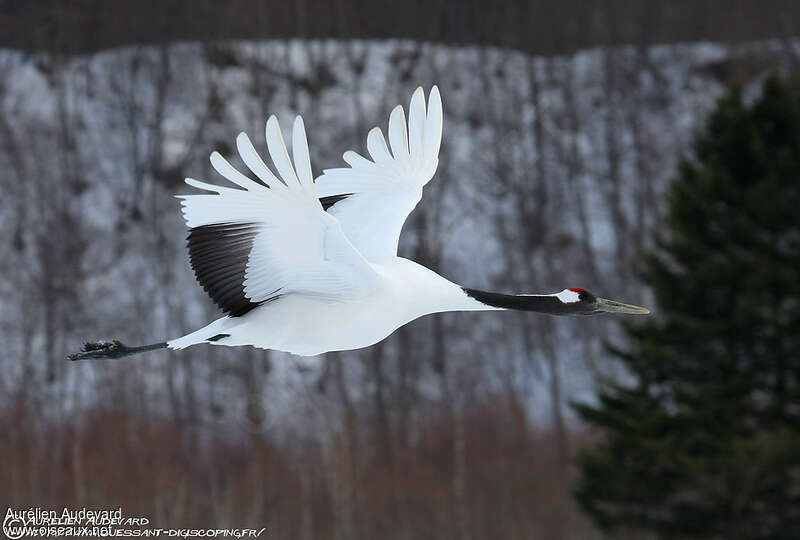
211 333
111 349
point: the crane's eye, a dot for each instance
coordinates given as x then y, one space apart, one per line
582 293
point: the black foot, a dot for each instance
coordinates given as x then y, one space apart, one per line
100 349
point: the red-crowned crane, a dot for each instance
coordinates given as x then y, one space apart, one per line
309 266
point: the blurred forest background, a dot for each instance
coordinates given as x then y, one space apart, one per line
564 124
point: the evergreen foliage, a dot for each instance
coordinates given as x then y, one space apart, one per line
706 442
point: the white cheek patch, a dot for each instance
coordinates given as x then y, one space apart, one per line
568 297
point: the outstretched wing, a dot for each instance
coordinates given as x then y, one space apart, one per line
374 197
250 245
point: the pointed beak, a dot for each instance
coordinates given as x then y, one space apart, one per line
610 306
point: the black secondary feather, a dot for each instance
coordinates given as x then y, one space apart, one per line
329 201
219 255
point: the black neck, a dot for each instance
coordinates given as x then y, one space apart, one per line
539 303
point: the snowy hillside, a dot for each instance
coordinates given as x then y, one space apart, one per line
551 174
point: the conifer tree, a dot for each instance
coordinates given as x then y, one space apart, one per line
704 439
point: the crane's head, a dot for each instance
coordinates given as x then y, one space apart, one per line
579 301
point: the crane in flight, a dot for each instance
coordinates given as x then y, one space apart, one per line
310 266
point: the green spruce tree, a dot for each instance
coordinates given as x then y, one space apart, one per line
704 440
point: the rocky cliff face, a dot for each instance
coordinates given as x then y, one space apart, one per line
550 176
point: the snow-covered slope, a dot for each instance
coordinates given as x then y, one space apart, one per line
550 176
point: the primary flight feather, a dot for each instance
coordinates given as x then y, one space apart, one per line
309 266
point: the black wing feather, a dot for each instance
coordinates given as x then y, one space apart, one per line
219 255
329 201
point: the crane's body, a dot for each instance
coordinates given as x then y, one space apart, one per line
308 325
309 266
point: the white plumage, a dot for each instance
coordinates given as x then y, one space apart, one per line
387 188
326 278
298 248
309 266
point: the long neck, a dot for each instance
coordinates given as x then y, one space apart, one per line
541 303
427 292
